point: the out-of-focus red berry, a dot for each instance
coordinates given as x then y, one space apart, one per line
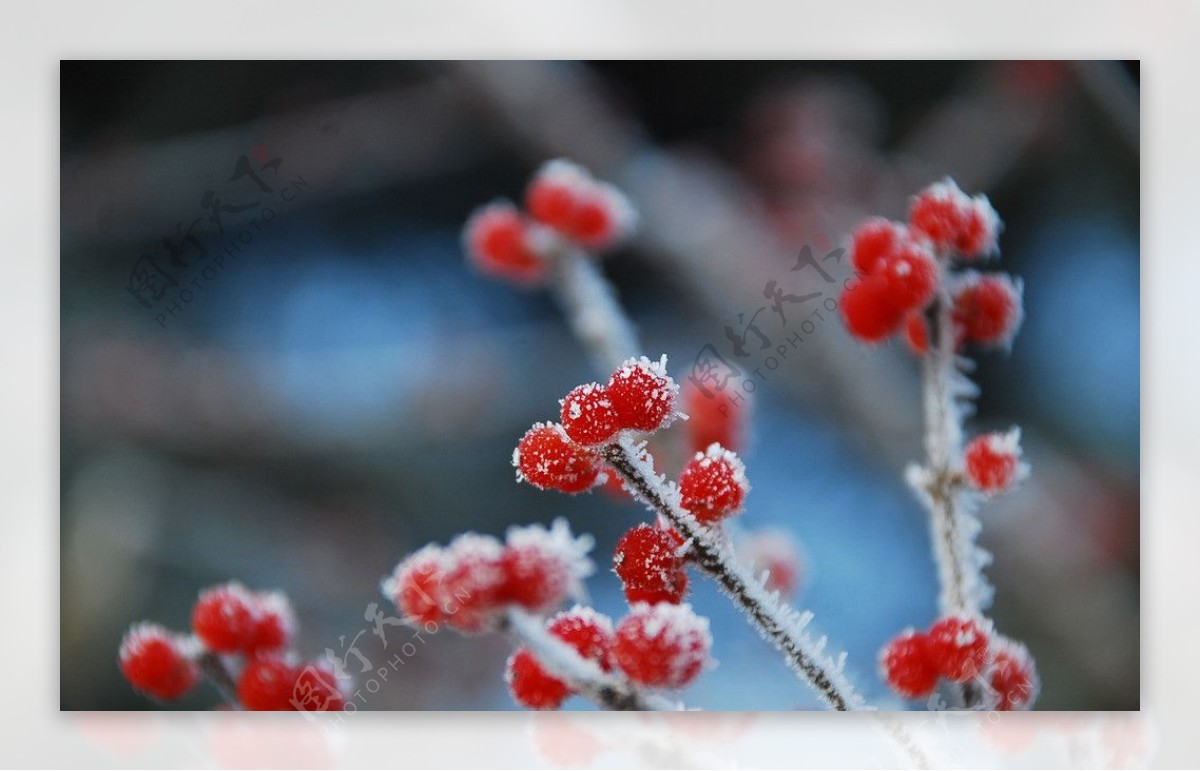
588 632
498 243
867 311
223 618
908 277
916 332
958 647
155 662
416 586
474 582
1013 676
874 240
663 645
532 686
267 684
988 309
993 461
907 665
718 416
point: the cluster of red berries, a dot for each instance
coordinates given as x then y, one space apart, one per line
902 266
959 649
993 461
656 646
469 583
640 396
251 631
562 202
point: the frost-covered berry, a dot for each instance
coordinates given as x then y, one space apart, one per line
954 222
908 277
474 582
564 196
713 484
874 240
987 308
993 461
643 394
1013 676
267 684
588 415
547 459
648 563
907 665
274 622
532 686
588 632
958 647
868 313
499 243
157 662
916 332
776 553
223 618
543 567
663 645
416 585
715 416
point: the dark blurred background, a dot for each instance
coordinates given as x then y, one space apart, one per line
329 387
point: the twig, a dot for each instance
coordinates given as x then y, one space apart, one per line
214 669
779 623
590 305
603 689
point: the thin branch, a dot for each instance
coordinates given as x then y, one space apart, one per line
589 302
214 669
779 623
603 689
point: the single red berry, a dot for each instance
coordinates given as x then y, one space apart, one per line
547 459
715 415
416 586
874 240
713 484
157 662
776 552
663 645
907 665
588 632
909 277
274 622
267 684
498 241
223 618
993 461
588 415
315 689
603 217
647 562
643 394
988 309
543 567
867 310
940 213
532 686
958 647
980 229
474 582
553 194
1013 676
916 332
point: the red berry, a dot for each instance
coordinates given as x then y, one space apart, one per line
274 622
315 689
588 632
993 461
916 332
647 562
588 415
498 242
542 567
474 582
1013 676
958 647
266 684
663 645
716 416
940 213
531 685
553 194
565 197
980 229
713 484
157 662
874 240
547 459
416 586
223 618
907 665
909 277
988 309
775 552
643 394
869 314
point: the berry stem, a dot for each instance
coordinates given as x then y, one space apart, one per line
590 305
779 623
219 675
603 689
